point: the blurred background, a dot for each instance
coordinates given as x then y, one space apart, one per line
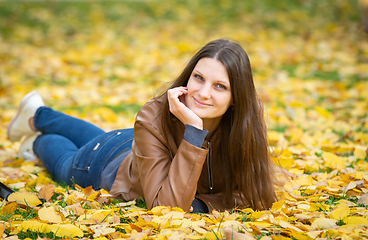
102 60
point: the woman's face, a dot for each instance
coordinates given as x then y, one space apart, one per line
209 92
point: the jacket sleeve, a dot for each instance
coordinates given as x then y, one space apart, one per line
165 179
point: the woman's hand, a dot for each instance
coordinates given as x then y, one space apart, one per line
176 97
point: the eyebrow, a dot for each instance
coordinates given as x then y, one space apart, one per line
225 83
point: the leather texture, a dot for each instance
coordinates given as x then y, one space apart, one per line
170 173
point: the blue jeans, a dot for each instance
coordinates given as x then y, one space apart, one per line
72 148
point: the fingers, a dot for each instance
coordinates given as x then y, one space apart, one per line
176 98
174 95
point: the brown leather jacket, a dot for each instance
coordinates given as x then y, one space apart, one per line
170 173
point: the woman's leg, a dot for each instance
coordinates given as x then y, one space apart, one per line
64 160
76 130
56 154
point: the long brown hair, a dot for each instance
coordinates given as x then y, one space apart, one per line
242 150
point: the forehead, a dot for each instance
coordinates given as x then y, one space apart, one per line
213 69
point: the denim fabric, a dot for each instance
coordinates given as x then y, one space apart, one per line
72 148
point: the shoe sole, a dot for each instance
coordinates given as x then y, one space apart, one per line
21 106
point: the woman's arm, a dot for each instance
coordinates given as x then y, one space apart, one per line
165 179
176 98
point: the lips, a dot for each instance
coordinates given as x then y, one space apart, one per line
201 104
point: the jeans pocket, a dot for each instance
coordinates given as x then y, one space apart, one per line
85 155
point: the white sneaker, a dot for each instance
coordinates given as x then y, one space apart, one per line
19 125
26 148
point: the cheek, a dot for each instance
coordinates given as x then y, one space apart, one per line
191 87
225 101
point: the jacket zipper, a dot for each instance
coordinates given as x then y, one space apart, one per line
209 167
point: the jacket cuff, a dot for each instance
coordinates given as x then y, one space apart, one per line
194 136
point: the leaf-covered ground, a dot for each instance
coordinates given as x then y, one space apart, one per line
102 61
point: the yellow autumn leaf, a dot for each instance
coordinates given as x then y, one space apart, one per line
323 112
29 168
25 198
284 162
99 215
296 135
323 223
333 161
284 224
40 180
300 236
35 226
94 195
49 214
340 212
157 210
276 206
360 152
66 230
312 83
106 114
356 220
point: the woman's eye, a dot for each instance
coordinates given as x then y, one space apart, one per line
220 86
199 77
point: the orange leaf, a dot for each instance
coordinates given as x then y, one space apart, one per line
47 192
88 191
135 227
2 229
9 208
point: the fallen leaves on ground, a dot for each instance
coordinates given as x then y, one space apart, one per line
311 77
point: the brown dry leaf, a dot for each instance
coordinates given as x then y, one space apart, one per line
115 219
363 199
25 198
101 230
46 192
76 209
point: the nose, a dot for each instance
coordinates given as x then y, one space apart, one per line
205 91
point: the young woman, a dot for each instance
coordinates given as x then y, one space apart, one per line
200 145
